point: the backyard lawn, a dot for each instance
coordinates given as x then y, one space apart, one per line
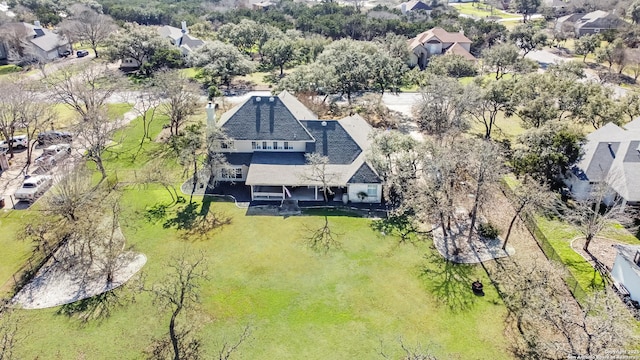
480 11
300 304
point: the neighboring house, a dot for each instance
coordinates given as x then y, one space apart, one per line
626 270
263 5
591 23
40 43
438 41
269 137
180 38
414 5
611 154
560 7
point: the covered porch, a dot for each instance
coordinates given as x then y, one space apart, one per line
300 193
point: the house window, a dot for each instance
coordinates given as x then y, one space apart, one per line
226 144
254 145
235 173
287 146
275 145
238 173
372 190
264 145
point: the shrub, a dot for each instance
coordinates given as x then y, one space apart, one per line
488 231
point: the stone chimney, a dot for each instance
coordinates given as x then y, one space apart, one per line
184 27
211 115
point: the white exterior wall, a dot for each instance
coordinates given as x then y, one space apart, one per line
244 146
624 274
354 189
579 188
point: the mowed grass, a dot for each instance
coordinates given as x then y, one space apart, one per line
300 304
15 251
505 128
482 11
65 116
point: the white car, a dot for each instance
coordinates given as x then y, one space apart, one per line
33 187
17 142
52 155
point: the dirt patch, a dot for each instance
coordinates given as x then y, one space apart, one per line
601 248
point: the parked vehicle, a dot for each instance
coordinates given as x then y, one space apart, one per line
17 142
82 53
33 187
65 53
54 137
52 155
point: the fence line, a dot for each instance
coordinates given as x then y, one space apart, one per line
545 245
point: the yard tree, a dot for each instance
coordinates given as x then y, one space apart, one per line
85 90
95 133
10 105
190 146
527 37
535 99
320 172
630 104
485 167
394 45
600 208
228 348
548 152
309 47
488 100
243 35
312 78
441 109
136 42
613 53
592 103
74 195
147 102
395 157
528 195
179 293
219 63
387 71
502 58
525 7
89 26
451 65
550 321
279 52
587 44
349 59
180 98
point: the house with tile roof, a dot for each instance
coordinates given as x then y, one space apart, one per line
268 140
611 155
438 41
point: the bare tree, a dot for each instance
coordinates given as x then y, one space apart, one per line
146 105
73 193
485 168
179 292
320 172
227 348
601 207
410 353
95 136
90 27
180 96
85 90
528 195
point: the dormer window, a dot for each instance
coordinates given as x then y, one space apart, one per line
264 145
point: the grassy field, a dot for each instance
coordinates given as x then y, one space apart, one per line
482 11
301 304
67 116
14 251
508 128
9 69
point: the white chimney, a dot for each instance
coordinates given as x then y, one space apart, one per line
211 115
403 8
184 27
36 24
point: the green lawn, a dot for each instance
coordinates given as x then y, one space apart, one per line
9 69
14 251
67 116
483 11
504 128
301 304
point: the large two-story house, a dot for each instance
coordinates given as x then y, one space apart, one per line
268 139
438 41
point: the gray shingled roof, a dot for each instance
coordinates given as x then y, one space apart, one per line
278 158
602 160
264 118
238 158
365 175
333 141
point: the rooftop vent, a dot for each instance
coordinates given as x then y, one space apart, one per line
258 99
272 99
324 123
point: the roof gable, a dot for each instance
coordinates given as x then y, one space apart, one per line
365 175
332 141
441 35
264 118
602 160
457 49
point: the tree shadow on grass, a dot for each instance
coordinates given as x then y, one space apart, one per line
449 282
196 222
